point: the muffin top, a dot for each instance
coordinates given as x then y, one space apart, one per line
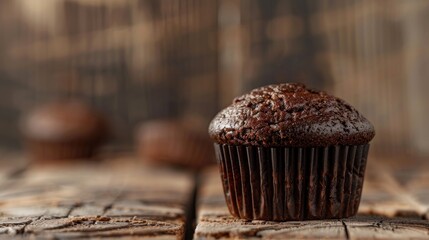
290 115
64 121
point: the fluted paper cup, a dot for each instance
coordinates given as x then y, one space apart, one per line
281 184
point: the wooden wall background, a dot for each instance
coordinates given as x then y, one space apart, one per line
146 59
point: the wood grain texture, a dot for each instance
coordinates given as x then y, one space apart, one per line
122 199
394 206
96 201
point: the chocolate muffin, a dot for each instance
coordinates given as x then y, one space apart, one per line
63 130
174 143
290 153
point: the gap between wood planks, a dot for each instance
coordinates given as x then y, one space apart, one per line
346 230
191 215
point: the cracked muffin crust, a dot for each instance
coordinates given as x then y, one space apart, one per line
290 115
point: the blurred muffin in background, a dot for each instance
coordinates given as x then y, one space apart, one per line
63 130
176 143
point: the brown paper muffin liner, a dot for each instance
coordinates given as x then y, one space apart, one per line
281 184
41 151
177 148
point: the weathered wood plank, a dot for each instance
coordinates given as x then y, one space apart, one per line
364 227
11 166
96 201
395 191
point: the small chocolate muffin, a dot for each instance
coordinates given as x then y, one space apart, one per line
63 130
290 153
174 143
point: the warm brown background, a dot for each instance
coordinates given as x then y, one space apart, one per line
146 59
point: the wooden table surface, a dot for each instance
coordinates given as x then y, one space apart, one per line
121 198
395 205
